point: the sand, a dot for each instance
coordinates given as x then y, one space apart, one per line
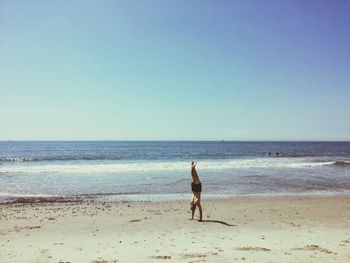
240 229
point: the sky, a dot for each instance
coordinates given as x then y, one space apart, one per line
175 70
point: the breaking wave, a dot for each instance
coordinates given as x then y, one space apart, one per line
57 158
124 167
341 163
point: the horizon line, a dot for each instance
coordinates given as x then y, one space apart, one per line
163 140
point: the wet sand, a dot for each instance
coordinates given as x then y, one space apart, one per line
241 229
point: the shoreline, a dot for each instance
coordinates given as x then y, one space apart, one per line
116 198
238 229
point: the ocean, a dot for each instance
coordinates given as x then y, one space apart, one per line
160 170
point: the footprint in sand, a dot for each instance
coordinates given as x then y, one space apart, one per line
104 261
195 255
160 257
219 249
343 243
134 220
256 249
314 248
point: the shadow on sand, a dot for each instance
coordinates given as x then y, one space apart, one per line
216 221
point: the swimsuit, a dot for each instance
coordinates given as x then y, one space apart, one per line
196 187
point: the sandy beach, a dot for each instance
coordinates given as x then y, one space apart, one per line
240 229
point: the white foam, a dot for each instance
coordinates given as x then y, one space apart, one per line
82 168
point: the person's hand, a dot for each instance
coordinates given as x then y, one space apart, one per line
193 164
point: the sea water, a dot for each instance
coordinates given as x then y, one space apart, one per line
160 170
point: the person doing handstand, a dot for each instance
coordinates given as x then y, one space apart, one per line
196 187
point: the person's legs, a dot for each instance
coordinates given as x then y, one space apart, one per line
200 212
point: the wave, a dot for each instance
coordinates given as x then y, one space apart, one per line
341 163
6 194
178 182
57 158
141 167
94 168
133 157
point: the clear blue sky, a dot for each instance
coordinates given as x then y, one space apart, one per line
178 70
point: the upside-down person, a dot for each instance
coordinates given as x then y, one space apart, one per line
196 187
